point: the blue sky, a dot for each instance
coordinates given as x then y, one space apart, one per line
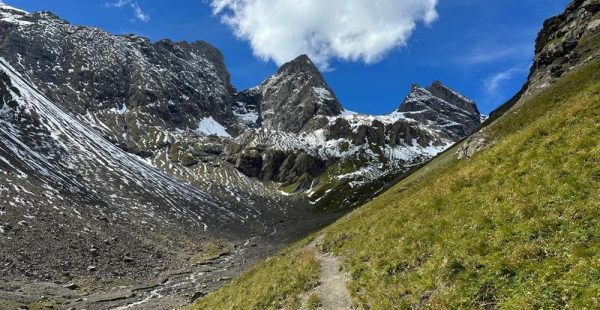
482 48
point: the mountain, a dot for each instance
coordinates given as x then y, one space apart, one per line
341 158
505 219
295 95
136 175
75 205
172 103
123 85
442 107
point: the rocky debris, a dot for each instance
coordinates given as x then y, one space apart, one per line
196 296
66 191
472 145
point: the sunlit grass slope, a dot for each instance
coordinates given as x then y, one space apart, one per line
515 227
279 282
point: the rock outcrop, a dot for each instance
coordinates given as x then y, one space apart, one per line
428 121
565 42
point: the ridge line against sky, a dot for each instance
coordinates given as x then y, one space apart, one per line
482 49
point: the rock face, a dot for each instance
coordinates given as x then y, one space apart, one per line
294 96
566 41
443 107
428 121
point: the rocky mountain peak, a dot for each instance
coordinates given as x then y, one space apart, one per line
441 106
300 64
291 99
453 97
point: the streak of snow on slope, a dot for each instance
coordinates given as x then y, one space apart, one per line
88 151
13 15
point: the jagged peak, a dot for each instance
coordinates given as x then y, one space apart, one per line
453 97
440 93
295 95
300 64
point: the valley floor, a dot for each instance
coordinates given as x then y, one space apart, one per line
174 287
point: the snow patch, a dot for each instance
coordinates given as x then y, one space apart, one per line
208 126
122 110
13 15
322 94
8 7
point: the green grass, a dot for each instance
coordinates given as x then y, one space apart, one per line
279 282
313 302
515 227
333 195
209 250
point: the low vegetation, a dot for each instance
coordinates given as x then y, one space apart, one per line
279 282
516 227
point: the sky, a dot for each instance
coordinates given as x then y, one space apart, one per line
370 51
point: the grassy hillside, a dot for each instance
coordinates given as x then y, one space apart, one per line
516 227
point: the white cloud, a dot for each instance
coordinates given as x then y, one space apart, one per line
118 4
488 53
492 83
352 30
138 13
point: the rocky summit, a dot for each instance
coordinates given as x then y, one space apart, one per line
290 99
134 169
442 107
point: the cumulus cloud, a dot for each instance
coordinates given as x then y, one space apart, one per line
138 13
351 30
